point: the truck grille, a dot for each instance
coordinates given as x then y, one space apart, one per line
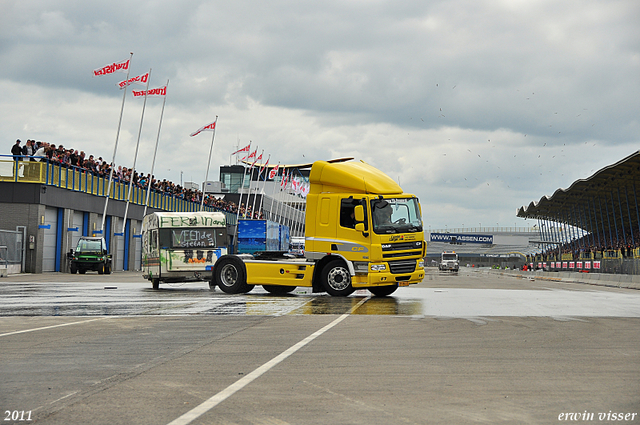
401 246
403 266
402 254
392 250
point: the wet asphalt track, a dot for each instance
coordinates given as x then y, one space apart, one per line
468 348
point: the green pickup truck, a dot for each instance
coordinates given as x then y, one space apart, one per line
90 254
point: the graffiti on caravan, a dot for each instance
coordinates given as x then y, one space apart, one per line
461 238
188 238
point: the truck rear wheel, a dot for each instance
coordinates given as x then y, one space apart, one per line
383 291
277 289
336 279
231 275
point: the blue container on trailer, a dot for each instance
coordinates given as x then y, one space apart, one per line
258 235
252 236
273 236
284 238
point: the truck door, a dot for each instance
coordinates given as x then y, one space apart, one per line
353 244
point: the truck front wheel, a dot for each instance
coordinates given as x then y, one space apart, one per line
231 276
336 279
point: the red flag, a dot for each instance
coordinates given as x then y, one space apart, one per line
209 127
265 166
252 154
245 149
274 172
140 79
111 68
160 91
285 176
256 160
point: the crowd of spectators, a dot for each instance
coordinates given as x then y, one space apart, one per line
589 246
72 158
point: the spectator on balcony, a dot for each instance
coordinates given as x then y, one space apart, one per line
40 152
28 150
16 150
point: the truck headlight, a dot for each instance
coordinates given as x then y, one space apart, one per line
360 267
421 264
378 267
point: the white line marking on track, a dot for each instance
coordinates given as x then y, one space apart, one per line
50 327
209 404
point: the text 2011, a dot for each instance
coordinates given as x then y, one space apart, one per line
17 415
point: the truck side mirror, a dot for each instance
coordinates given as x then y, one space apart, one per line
360 227
359 214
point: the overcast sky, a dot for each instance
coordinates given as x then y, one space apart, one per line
477 107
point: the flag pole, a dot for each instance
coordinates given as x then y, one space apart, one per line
253 208
135 156
280 204
115 148
244 171
206 177
266 170
298 211
250 179
273 193
153 163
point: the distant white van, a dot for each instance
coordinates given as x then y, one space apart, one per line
182 247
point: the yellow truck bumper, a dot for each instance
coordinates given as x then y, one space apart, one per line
387 278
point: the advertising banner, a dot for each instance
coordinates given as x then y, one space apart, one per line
461 238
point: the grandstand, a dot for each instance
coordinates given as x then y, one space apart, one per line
594 225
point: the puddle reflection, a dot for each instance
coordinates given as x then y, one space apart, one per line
128 300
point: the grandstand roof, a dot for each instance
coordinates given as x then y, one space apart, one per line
605 200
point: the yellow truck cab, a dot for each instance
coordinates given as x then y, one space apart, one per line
361 232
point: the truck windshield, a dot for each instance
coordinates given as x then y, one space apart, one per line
449 256
396 215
